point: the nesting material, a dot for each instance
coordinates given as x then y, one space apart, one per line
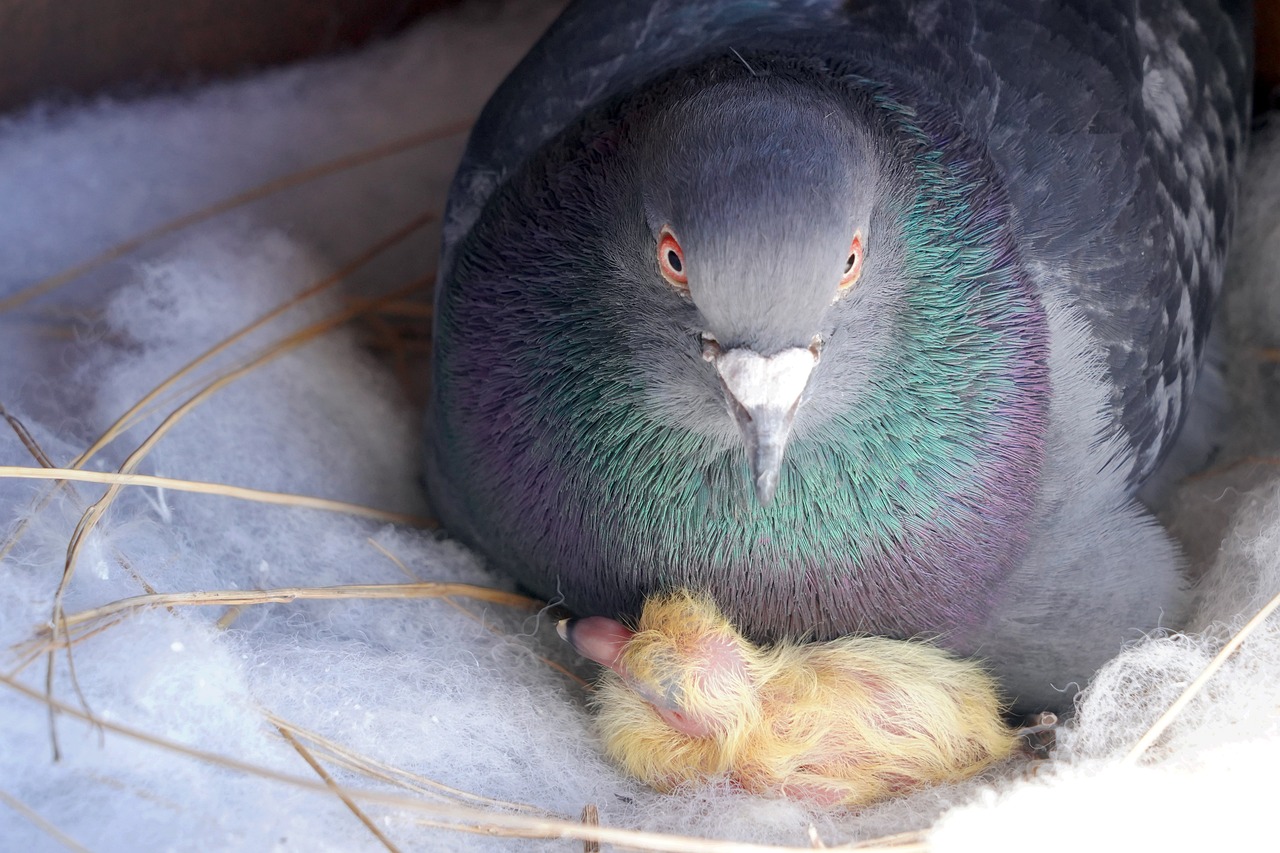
394 698
686 698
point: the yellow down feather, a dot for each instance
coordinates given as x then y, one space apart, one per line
845 722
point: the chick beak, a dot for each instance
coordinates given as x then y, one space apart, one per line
763 393
596 638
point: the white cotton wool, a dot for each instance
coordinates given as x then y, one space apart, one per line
1107 807
432 694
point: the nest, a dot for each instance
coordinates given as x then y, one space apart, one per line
226 620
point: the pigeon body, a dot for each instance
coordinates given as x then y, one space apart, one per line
857 317
686 699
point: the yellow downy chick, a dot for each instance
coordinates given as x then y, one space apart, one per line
848 722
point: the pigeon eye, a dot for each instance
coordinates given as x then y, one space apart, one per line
852 266
671 261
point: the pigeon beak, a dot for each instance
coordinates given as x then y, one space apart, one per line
763 393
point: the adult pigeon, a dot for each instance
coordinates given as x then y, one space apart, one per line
860 317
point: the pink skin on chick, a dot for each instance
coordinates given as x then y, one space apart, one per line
686 698
605 641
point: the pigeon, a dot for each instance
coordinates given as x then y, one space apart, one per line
860 318
686 699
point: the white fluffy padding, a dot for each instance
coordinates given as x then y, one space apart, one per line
413 684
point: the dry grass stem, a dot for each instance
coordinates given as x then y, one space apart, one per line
899 841
450 816
37 452
511 826
1193 689
32 650
33 447
333 786
590 817
127 564
90 518
50 330
94 513
378 771
28 441
395 561
134 789
112 478
226 620
329 281
285 595
572 676
563 670
34 817
271 187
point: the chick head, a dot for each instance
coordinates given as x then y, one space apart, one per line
679 698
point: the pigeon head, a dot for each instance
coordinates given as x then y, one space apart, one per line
757 196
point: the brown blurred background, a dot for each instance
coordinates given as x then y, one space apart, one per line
1267 39
65 49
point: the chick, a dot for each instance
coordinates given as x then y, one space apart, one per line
847 722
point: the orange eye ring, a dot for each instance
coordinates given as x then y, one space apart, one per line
671 261
853 266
